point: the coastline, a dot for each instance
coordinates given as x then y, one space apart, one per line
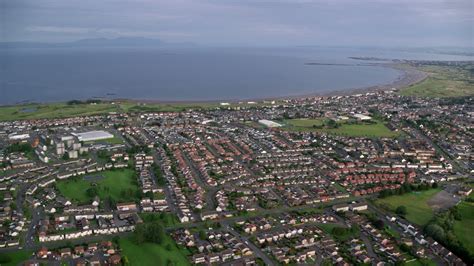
409 76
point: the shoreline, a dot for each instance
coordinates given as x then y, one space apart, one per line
409 76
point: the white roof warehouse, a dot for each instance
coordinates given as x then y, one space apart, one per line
93 135
269 123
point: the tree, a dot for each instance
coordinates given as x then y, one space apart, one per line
435 231
92 192
379 224
202 235
401 210
140 233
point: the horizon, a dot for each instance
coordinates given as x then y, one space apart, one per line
368 23
191 44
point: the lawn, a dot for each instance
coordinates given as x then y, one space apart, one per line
418 211
443 81
14 258
420 262
165 218
304 123
154 254
463 229
121 185
358 129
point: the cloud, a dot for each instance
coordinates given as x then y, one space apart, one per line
248 22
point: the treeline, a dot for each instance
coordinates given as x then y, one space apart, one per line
89 101
152 232
160 179
19 147
406 188
440 228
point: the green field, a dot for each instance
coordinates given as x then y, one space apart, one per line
359 129
121 185
61 110
14 258
443 81
154 254
418 211
463 229
304 123
420 262
165 218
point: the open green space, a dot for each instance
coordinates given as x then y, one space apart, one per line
61 110
14 258
165 218
420 262
166 253
463 229
121 185
418 210
342 128
339 232
443 81
77 108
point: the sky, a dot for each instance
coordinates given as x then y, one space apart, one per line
381 23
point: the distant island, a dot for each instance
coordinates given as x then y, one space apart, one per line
369 58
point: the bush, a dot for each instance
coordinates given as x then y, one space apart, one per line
401 210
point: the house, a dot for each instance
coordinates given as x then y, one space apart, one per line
114 259
127 206
340 208
96 201
65 252
358 207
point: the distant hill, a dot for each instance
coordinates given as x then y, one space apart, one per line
98 43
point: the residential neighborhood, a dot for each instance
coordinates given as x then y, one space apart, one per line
365 179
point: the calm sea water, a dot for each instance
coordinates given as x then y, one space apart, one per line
186 74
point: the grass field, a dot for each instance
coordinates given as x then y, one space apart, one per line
154 254
443 81
420 262
121 185
418 211
165 218
377 129
61 110
14 258
463 229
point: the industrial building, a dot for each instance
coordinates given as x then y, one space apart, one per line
269 123
93 135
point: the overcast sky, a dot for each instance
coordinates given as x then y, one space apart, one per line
406 23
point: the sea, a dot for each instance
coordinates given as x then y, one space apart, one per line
192 74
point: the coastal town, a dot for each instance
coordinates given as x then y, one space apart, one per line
375 178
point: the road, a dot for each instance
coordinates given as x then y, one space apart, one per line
256 251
